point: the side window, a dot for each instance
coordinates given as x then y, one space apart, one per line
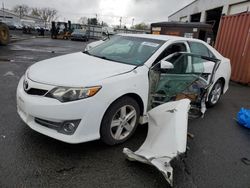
172 48
199 49
178 47
184 79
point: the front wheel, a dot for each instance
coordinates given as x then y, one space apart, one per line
215 94
120 121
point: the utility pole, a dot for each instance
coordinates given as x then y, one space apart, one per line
3 12
120 22
132 22
20 9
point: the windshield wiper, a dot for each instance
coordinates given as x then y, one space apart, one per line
86 52
103 57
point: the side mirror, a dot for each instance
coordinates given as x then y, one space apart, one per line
166 65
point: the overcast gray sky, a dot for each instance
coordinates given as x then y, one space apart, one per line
108 10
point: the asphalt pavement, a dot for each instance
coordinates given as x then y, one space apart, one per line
29 159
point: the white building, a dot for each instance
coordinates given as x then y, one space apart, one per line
210 11
8 16
202 10
33 21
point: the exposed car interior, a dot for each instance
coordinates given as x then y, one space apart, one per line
185 80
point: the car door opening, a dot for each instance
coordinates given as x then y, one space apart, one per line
189 78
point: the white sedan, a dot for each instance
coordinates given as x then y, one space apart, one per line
106 91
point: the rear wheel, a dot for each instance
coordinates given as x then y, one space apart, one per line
120 121
215 94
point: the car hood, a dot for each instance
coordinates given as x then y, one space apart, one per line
76 69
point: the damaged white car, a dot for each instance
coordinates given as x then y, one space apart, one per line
106 91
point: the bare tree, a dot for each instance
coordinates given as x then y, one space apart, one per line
46 14
83 20
35 12
21 10
92 21
141 26
104 24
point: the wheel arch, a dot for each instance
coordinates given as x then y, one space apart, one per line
223 80
223 83
138 99
134 96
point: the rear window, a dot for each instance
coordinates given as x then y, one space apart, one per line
200 49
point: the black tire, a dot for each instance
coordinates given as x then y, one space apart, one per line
106 131
4 34
219 87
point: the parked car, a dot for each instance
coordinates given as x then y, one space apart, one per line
18 26
80 34
106 91
37 28
11 25
27 29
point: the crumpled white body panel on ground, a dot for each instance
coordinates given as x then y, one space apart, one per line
166 139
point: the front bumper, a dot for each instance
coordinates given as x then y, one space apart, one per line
89 111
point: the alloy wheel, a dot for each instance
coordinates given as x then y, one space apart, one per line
216 93
123 122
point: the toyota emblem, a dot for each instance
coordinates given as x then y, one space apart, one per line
25 85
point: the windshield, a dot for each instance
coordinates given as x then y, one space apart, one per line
128 50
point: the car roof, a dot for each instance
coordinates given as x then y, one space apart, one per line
171 38
159 37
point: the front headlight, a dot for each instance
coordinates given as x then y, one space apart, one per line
66 94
